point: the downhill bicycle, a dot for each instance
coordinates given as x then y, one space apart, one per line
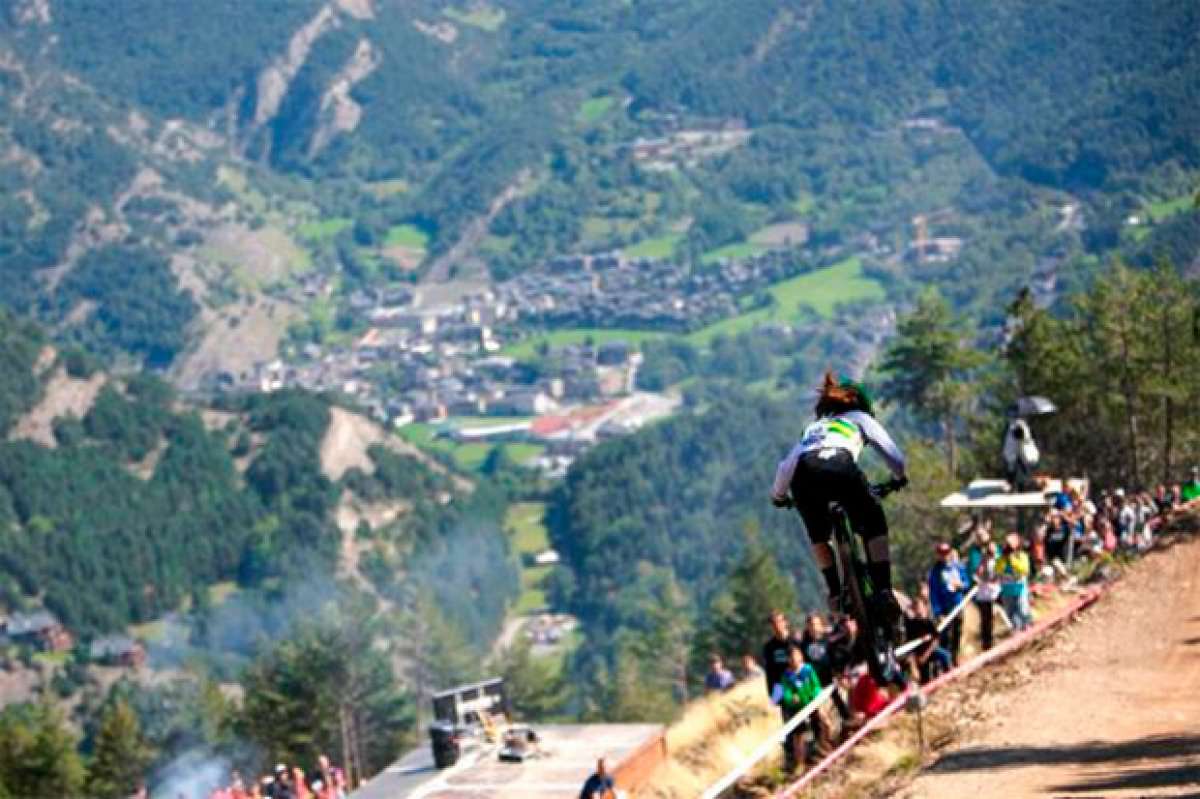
873 641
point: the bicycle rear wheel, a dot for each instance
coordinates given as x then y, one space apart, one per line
873 643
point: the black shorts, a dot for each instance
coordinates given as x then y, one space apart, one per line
831 475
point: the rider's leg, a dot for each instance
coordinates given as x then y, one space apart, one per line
823 555
879 561
867 519
814 509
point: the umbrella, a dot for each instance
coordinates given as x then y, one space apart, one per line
1033 406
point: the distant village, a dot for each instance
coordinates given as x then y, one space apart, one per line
426 361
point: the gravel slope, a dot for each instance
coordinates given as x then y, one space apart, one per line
1113 709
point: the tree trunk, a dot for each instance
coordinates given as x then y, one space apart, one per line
347 751
1127 392
951 444
1168 402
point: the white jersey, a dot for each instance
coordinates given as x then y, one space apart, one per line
849 431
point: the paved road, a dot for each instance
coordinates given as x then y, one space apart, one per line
1118 715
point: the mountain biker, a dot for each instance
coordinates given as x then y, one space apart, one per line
823 468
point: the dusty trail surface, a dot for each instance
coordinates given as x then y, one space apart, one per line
1116 714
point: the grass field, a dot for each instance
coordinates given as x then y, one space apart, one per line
527 349
738 251
594 108
804 205
821 290
1162 209
471 455
599 229
387 188
524 522
529 537
324 229
660 247
480 16
406 236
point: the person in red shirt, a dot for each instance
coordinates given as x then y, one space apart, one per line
867 699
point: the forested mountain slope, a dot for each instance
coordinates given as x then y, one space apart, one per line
140 502
376 114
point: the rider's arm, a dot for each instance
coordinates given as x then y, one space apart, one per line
783 475
878 438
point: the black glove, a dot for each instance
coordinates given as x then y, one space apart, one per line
782 502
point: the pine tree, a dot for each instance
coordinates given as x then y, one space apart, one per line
928 365
37 753
737 617
121 755
535 687
301 696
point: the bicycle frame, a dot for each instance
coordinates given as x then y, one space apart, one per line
874 640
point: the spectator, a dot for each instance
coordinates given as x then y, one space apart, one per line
840 643
1105 530
979 542
1057 530
867 699
947 588
1176 495
299 784
1147 521
1013 568
796 688
750 667
1020 455
1126 520
719 678
1037 544
775 663
283 783
1162 499
775 650
599 785
815 646
1191 489
986 578
930 658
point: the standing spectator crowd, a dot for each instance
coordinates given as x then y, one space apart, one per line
1006 574
326 781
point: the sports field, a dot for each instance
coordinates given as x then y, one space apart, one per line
524 350
822 291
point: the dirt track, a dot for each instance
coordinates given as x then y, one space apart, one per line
1113 710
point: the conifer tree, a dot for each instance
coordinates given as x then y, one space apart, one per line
121 755
928 366
736 618
535 687
37 753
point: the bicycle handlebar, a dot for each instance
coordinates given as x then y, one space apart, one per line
881 490
878 490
